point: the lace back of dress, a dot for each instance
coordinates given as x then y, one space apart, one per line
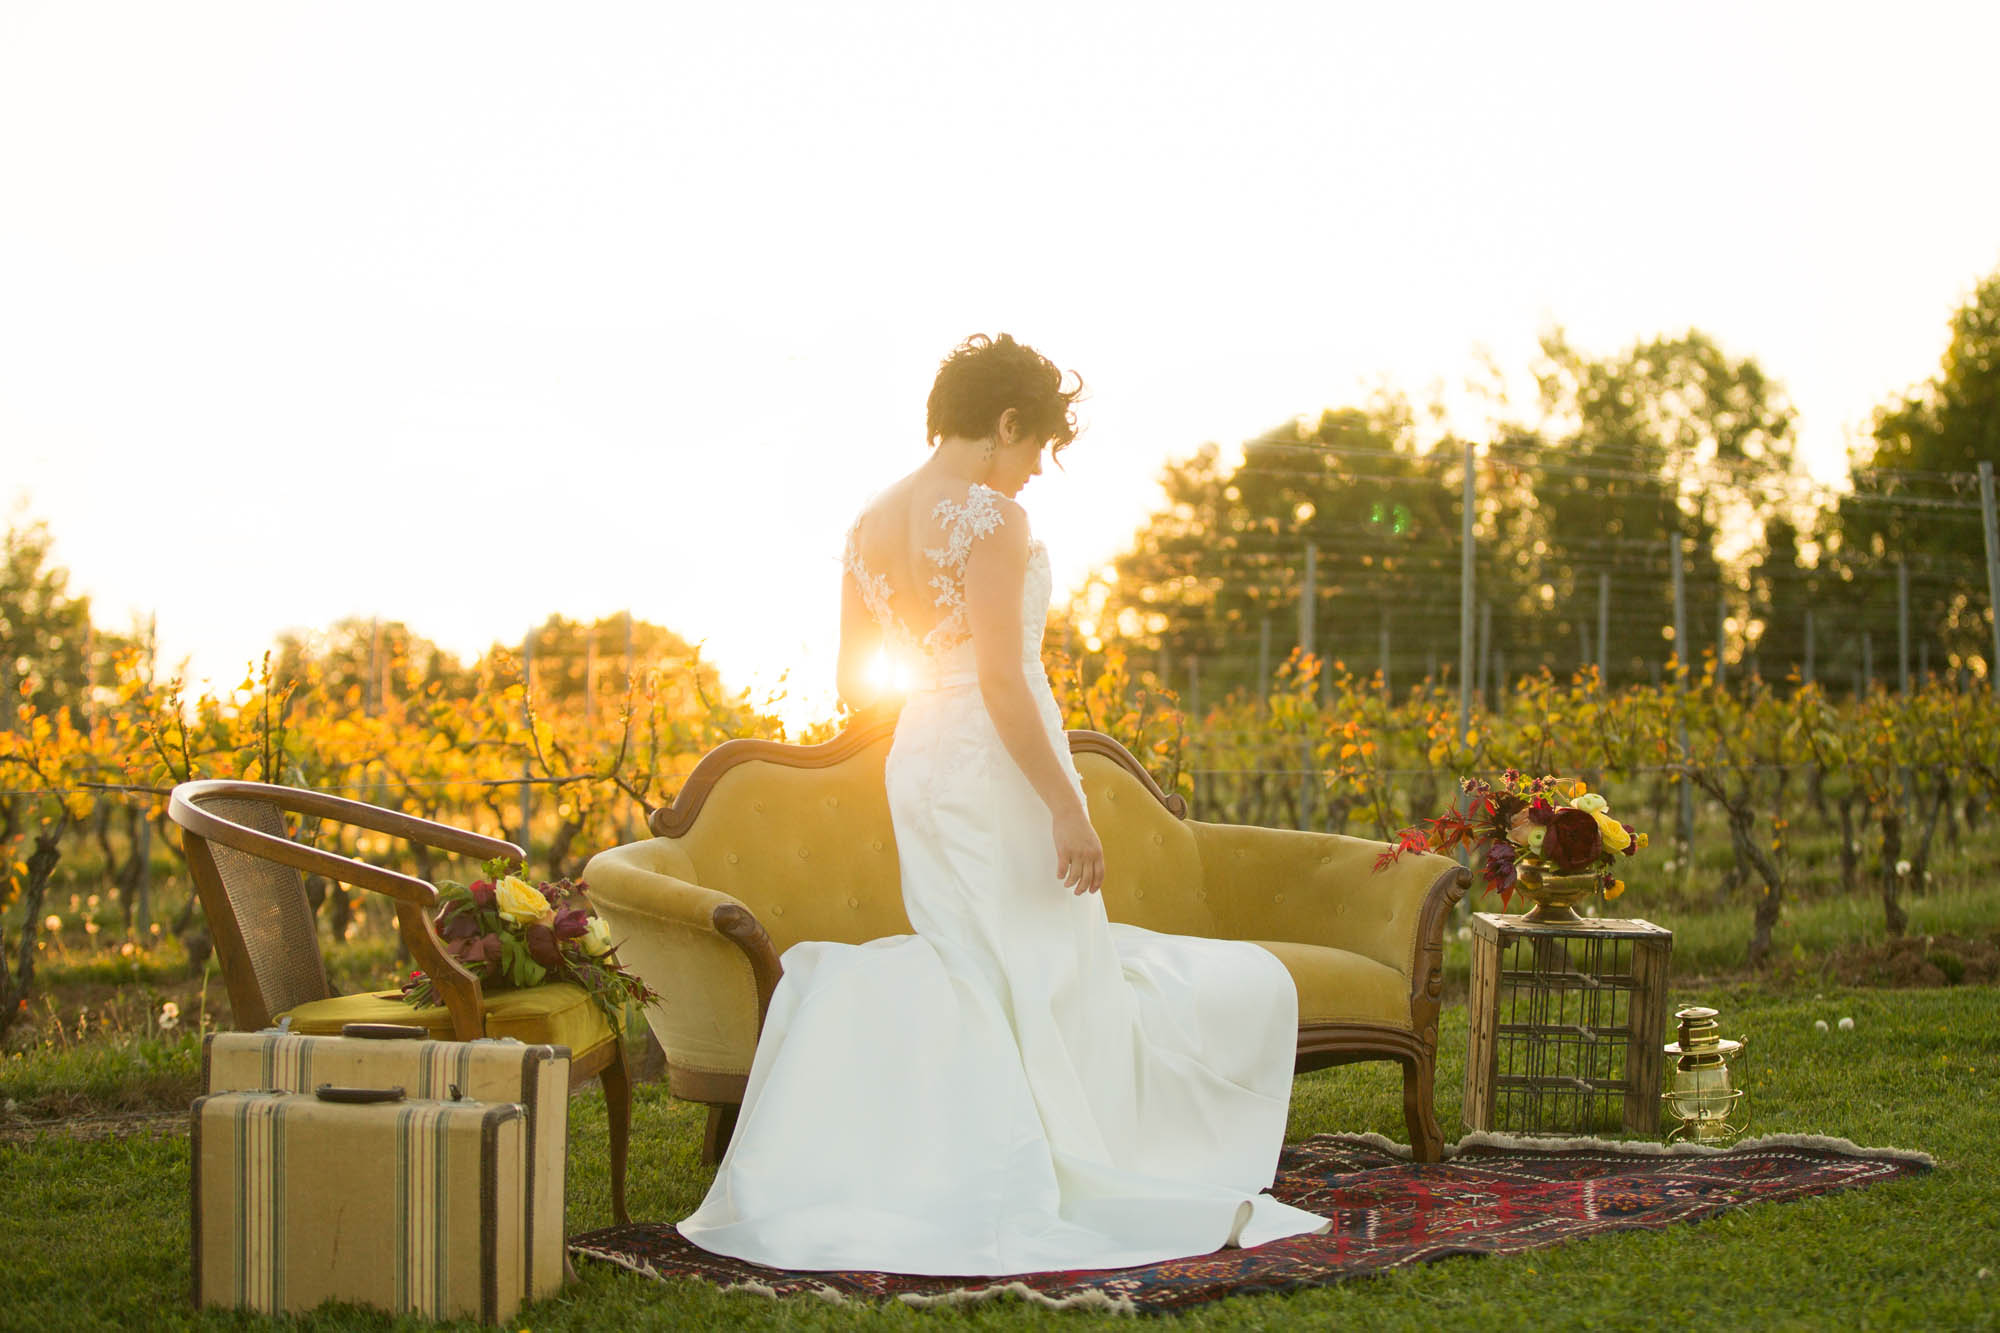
960 524
963 523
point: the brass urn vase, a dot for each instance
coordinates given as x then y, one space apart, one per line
1555 896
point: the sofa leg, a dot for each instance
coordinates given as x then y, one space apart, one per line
1419 1113
715 1138
617 1083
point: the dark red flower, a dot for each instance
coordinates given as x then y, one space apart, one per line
542 945
482 893
475 950
454 923
571 922
1573 841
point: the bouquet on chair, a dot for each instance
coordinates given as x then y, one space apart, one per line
508 932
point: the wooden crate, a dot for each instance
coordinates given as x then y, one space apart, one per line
1566 1024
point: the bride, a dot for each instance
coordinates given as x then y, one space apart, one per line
1021 1085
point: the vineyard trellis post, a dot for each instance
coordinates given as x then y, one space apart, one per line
1674 555
625 814
1308 599
528 719
1992 528
1721 629
1465 593
1604 629
1308 648
1902 626
1485 666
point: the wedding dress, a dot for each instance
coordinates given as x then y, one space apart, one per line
1021 1085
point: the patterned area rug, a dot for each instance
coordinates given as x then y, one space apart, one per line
1492 1195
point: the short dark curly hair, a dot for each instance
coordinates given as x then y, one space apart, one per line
983 377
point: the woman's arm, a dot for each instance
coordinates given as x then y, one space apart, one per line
994 572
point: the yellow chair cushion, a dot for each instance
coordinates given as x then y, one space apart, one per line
558 1014
1336 986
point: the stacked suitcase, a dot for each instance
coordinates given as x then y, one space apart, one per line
411 1175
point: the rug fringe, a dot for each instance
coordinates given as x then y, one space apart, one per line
1646 1148
640 1266
1087 1299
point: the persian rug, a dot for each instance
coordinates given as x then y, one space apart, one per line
1492 1194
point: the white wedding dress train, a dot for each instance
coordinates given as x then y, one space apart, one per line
1021 1085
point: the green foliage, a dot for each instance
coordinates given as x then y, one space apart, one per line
1913 496
1671 437
45 629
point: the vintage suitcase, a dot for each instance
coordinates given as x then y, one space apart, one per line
407 1206
536 1077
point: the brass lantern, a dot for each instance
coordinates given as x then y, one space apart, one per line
1699 1093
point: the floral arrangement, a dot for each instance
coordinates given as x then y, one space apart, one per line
1526 828
508 932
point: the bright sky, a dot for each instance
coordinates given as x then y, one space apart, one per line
465 313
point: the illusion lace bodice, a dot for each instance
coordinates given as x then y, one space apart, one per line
943 653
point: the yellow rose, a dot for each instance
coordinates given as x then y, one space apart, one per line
1592 802
520 901
1615 836
597 939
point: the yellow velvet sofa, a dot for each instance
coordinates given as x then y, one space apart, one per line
768 844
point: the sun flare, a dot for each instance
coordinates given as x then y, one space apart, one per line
890 673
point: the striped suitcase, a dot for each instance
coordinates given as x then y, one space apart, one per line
486 1070
407 1206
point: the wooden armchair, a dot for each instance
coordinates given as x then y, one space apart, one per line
251 880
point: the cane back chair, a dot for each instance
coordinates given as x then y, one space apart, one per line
251 880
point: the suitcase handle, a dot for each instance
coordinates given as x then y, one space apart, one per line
326 1092
384 1031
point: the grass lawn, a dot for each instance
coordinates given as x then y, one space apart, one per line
96 1230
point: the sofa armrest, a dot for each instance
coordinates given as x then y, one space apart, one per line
1323 888
707 955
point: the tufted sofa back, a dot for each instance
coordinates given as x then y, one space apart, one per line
811 852
808 850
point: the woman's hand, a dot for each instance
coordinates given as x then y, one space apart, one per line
1079 855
